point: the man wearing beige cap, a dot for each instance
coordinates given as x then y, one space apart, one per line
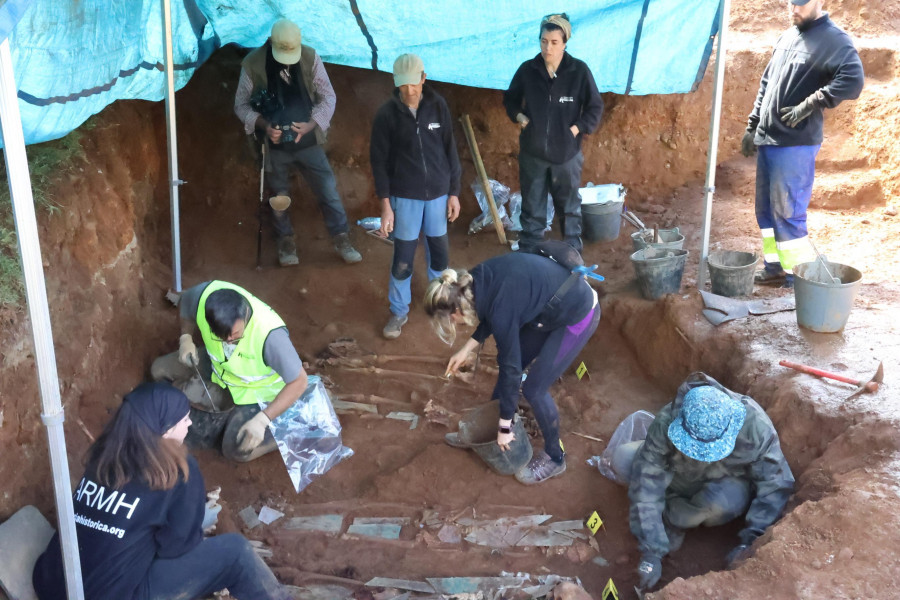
285 97
416 171
555 101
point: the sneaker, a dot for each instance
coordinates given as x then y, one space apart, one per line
287 252
392 329
346 250
540 468
766 277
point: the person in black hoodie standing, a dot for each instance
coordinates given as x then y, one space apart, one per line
140 512
555 101
416 171
814 66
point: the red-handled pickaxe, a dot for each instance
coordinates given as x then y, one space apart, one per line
870 386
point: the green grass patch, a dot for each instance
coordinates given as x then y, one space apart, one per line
47 162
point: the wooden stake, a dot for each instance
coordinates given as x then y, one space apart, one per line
482 175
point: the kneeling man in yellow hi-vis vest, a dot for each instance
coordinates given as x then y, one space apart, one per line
249 374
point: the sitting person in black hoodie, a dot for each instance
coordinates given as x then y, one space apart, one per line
139 510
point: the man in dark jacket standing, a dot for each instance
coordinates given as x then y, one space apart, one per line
814 67
555 101
416 171
293 120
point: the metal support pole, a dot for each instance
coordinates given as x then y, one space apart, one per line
39 314
172 137
710 187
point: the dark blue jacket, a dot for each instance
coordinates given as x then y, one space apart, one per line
553 106
818 58
511 291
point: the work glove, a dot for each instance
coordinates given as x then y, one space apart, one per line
748 148
792 115
187 351
251 434
738 555
649 572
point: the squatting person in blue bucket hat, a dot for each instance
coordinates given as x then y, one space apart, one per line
710 456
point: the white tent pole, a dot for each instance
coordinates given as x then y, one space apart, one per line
39 314
712 156
172 137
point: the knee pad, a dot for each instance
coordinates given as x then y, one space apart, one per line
404 254
280 202
439 249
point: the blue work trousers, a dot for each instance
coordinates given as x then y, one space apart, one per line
411 219
784 180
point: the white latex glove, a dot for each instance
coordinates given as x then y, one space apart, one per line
187 351
253 431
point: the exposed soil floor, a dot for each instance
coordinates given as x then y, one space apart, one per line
107 261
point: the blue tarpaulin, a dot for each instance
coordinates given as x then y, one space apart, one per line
72 59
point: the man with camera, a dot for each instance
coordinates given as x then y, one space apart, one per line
284 95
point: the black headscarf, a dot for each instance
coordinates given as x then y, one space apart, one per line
158 405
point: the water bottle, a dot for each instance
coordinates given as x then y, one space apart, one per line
370 223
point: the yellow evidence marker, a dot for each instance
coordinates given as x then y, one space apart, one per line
594 523
610 591
581 371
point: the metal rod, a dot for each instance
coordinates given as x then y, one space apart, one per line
712 156
172 138
39 315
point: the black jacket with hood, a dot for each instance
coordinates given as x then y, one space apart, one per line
552 106
414 156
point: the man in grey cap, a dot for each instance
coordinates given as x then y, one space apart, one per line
710 456
814 67
285 97
416 171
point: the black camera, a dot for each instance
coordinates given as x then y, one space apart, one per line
288 135
265 103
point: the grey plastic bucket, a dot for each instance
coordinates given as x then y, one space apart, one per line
478 430
659 271
668 238
823 305
601 222
731 272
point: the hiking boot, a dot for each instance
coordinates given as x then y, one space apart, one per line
287 251
347 252
540 468
452 439
392 329
767 277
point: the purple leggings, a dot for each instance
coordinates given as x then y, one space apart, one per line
550 353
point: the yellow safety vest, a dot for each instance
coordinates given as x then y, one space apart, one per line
244 374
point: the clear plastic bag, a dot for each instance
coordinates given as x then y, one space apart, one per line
515 212
632 429
308 435
501 195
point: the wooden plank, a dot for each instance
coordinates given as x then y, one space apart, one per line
482 175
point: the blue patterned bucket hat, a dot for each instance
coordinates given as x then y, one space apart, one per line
708 424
